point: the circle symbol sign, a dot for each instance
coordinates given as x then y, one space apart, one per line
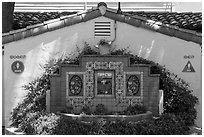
17 67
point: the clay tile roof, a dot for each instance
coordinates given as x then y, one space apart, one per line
190 21
185 20
186 26
24 19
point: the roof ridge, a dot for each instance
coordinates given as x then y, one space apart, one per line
134 20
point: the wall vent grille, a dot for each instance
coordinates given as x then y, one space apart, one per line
102 29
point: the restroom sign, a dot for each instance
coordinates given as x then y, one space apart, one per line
188 67
17 67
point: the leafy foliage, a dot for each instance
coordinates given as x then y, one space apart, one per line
134 110
167 124
35 101
86 109
45 124
178 100
52 124
100 109
67 126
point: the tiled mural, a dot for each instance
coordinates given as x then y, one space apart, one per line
107 80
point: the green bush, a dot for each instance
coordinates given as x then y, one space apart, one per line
86 109
42 123
100 109
120 128
27 124
134 110
67 126
35 100
178 99
45 124
167 124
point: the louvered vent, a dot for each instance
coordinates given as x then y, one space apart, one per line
102 29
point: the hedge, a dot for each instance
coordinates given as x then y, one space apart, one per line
55 124
178 99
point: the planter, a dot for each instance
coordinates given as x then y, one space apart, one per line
89 118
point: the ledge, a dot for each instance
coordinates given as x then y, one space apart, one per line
12 131
89 118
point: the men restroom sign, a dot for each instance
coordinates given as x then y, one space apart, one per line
17 67
188 67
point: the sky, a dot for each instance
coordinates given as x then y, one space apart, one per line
183 6
187 6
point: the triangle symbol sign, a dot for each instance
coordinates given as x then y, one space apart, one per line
188 67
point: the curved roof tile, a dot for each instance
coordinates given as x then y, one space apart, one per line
186 26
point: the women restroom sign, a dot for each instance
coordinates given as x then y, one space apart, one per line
188 67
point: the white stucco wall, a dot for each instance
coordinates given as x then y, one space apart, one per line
38 51
168 51
165 50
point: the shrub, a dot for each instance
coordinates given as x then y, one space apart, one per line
134 110
69 109
67 126
45 124
178 99
100 109
167 124
38 123
121 128
42 123
34 101
27 124
86 109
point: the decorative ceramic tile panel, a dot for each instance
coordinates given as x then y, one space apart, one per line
139 75
89 101
101 65
72 85
120 84
76 102
102 82
89 80
133 101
